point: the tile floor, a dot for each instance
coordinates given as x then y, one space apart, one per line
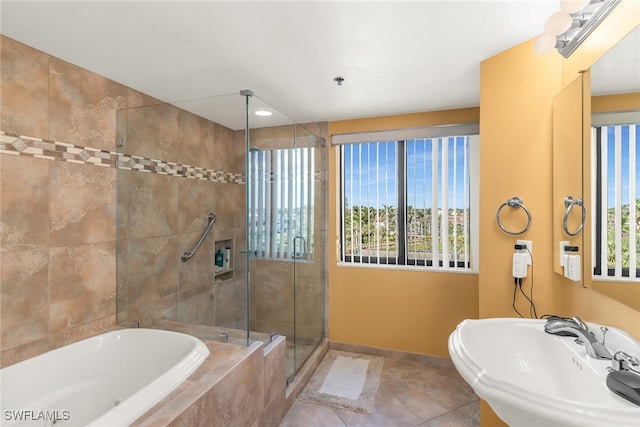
412 393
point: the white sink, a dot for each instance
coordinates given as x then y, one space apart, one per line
531 378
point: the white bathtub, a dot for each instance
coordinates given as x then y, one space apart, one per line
108 380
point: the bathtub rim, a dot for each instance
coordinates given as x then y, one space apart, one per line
155 391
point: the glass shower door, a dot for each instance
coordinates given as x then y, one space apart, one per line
309 251
285 237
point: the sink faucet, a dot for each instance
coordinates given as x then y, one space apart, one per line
576 327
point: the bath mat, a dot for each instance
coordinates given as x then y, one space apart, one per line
345 380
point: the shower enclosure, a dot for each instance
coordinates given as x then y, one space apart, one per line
260 269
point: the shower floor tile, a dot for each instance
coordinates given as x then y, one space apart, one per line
411 393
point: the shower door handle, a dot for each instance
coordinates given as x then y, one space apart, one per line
304 248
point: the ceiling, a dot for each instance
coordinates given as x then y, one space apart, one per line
395 56
618 71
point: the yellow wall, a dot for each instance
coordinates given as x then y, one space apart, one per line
517 88
620 102
412 311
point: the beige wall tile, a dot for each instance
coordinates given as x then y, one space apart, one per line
197 271
238 399
197 309
82 106
150 204
238 158
309 305
223 149
152 132
275 380
139 99
24 108
82 204
24 200
196 199
12 355
272 295
122 290
149 312
152 269
81 332
82 285
195 139
24 302
231 303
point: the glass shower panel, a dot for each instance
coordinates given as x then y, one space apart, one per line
309 265
285 230
177 163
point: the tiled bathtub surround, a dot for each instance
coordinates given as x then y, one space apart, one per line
235 386
61 231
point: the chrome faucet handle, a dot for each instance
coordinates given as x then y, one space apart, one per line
622 360
604 330
580 323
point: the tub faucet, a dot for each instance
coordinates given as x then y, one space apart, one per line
577 328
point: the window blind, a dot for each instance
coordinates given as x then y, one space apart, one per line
410 202
281 203
617 220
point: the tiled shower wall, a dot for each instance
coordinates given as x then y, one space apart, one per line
58 244
161 215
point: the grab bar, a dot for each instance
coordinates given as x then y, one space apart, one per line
187 255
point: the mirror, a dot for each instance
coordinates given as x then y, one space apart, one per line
596 91
614 78
568 113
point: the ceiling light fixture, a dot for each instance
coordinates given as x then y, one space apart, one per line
339 80
566 30
263 113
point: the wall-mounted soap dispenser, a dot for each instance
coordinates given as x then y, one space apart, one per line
570 261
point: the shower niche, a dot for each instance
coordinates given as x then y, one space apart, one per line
224 250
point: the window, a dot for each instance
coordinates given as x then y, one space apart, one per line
281 203
616 225
410 200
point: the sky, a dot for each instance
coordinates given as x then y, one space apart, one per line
625 149
371 173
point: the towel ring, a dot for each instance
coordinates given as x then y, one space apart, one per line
514 202
569 203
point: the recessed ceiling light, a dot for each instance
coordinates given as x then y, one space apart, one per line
263 113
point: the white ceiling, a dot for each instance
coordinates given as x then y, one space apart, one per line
395 56
618 71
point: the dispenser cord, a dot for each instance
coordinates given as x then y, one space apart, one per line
513 303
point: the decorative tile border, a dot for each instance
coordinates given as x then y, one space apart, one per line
20 145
